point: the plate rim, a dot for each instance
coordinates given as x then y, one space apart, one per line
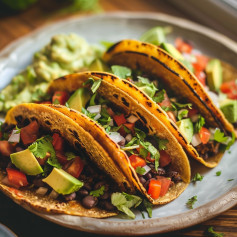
157 225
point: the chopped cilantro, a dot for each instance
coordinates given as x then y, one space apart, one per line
230 179
231 142
218 173
162 143
92 100
157 157
199 124
219 136
127 130
121 71
178 106
191 202
87 113
182 113
159 96
98 192
212 233
18 130
197 177
39 95
140 134
70 155
43 145
124 202
143 152
140 170
166 108
148 207
95 84
146 86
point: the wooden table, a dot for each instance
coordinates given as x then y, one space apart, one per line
25 224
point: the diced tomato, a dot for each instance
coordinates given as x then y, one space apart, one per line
154 188
164 159
166 102
0 135
76 167
58 142
192 112
201 62
165 184
136 161
229 88
201 76
16 177
171 116
6 148
62 159
60 97
110 112
119 119
182 46
204 135
29 133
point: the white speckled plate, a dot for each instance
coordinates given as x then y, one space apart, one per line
215 194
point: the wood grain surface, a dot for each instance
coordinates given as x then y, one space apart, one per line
25 224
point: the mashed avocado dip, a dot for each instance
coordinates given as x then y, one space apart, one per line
64 54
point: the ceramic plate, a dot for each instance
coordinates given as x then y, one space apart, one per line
215 194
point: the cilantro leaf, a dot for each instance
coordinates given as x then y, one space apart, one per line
199 124
42 146
218 173
87 113
159 96
231 142
140 170
157 157
140 134
197 177
95 84
182 113
212 233
162 143
92 100
146 86
99 192
148 206
219 136
178 106
191 202
230 179
70 155
124 202
121 71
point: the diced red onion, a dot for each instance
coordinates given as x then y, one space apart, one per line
194 118
97 116
14 137
41 191
196 140
128 138
94 109
132 119
53 194
116 137
147 168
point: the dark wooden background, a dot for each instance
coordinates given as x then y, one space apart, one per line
12 26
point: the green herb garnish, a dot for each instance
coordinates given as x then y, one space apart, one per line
197 177
191 202
121 71
212 233
70 155
99 192
218 173
199 124
140 170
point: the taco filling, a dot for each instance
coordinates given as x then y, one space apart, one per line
146 153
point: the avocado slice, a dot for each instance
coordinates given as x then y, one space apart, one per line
98 65
62 182
172 50
229 109
26 162
214 74
186 127
79 99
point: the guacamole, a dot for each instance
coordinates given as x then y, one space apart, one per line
64 54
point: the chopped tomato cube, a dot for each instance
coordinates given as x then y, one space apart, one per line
166 102
119 119
58 142
183 46
60 97
0 135
192 112
6 148
201 76
16 177
154 188
201 62
29 133
164 159
62 159
204 135
136 161
165 184
76 167
229 88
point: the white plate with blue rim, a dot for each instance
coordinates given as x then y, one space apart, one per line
215 194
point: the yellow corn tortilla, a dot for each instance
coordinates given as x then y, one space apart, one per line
129 105
157 63
53 121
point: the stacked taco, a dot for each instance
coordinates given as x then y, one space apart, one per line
174 96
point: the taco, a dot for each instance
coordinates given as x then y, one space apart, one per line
174 96
49 163
155 158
